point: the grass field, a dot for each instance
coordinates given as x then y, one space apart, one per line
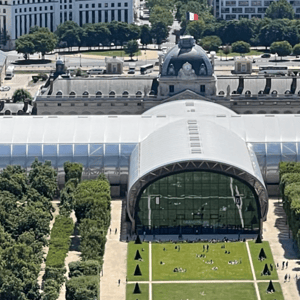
252 52
207 291
111 53
263 294
144 292
197 268
259 265
131 263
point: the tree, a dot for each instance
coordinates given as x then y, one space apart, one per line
226 50
131 48
146 37
25 45
160 32
280 9
195 28
44 41
20 95
296 49
69 32
211 43
283 48
240 47
161 14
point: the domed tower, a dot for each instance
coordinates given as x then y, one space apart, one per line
187 67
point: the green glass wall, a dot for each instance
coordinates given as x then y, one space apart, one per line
197 202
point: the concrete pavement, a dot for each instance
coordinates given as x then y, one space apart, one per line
115 259
276 232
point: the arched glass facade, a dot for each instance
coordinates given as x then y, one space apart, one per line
197 202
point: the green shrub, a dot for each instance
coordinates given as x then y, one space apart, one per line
240 47
211 43
288 167
73 170
87 268
59 242
83 287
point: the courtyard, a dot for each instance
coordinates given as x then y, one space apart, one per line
181 270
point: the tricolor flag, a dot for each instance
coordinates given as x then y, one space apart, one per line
191 16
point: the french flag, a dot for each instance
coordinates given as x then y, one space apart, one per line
191 16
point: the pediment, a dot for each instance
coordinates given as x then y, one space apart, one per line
187 94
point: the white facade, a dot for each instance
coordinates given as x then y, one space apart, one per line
17 16
237 9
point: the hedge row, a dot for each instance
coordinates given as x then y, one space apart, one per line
92 209
60 235
289 173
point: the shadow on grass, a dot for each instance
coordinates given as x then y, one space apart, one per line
279 60
32 62
75 239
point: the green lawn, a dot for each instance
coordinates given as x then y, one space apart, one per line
259 265
252 52
131 263
263 294
197 268
144 292
207 291
111 53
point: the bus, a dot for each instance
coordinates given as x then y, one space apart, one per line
273 70
146 69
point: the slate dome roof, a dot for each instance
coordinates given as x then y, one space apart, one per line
186 51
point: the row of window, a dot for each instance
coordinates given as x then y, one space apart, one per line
98 104
243 3
172 88
246 10
105 5
99 94
106 18
30 9
29 1
232 17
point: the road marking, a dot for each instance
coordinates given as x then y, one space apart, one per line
150 271
200 281
253 272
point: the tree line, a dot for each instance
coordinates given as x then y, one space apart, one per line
25 214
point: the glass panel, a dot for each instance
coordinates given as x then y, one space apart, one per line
260 151
197 202
289 152
4 161
81 150
66 150
19 150
5 150
272 162
126 150
34 150
50 150
112 149
96 150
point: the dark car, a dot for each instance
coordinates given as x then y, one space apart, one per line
266 55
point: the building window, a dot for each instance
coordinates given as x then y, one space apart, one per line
237 10
86 104
40 8
119 4
243 3
86 6
230 3
112 5
256 3
29 8
65 6
126 15
171 88
99 4
250 10
202 88
112 15
70 6
58 104
72 104
106 5
126 4
80 5
93 5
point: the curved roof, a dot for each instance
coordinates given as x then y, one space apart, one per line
186 51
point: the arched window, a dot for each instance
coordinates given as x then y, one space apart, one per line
221 93
72 95
248 93
260 92
98 94
85 94
59 94
125 94
261 112
152 93
138 94
287 92
112 94
274 92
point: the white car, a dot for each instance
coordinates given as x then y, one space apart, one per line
95 71
4 88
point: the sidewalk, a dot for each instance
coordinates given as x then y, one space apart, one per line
276 232
115 259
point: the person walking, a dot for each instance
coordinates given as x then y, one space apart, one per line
116 230
282 265
286 264
289 277
119 281
207 247
277 265
285 277
110 230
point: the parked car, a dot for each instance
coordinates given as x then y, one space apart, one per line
4 88
266 55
